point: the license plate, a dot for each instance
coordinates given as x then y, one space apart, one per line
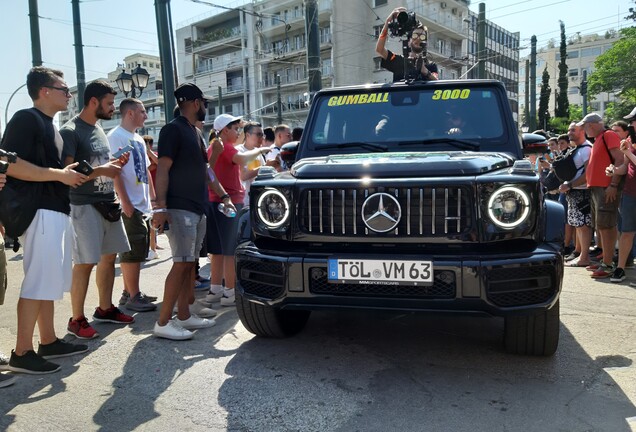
380 272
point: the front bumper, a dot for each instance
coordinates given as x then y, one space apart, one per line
494 284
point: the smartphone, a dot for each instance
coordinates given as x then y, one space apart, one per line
84 168
123 150
166 226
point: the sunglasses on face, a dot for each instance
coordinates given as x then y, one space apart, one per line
420 36
66 90
258 134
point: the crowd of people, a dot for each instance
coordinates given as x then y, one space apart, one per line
601 197
124 196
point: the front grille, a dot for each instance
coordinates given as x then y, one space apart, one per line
521 286
443 287
262 279
425 211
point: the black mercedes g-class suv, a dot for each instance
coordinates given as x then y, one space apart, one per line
404 197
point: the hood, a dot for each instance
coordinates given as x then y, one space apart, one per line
417 164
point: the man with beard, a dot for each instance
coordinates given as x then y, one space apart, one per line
181 201
96 215
417 65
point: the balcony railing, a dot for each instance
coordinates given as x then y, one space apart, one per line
217 64
216 37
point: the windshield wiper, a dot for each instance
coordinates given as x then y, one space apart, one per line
457 142
364 145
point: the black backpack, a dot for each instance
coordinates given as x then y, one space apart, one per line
565 168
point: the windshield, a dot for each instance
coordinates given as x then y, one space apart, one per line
424 119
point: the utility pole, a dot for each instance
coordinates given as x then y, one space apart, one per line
526 110
583 90
220 101
532 121
279 103
314 75
34 20
481 42
162 12
79 53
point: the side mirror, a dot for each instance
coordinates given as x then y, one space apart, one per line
534 144
288 153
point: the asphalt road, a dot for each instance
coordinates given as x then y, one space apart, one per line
346 372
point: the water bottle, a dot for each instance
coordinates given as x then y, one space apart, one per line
227 211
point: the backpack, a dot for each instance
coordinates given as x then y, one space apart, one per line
18 203
565 168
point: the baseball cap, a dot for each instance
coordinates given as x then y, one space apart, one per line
631 116
223 120
590 118
189 92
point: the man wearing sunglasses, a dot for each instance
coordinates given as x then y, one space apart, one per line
418 66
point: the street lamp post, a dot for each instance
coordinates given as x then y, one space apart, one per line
128 83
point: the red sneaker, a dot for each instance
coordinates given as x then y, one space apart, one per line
112 315
81 328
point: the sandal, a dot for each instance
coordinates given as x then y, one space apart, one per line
577 263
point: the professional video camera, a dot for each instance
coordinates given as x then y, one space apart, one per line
403 24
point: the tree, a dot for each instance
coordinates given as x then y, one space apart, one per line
562 103
615 70
632 13
544 99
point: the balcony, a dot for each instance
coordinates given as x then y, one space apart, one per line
218 37
218 64
284 80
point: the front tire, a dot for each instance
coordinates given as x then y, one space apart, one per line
267 321
536 334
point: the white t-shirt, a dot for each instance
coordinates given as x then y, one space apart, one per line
135 173
581 156
259 161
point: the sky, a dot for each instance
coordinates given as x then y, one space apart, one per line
114 29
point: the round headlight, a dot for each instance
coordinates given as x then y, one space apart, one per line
273 208
508 207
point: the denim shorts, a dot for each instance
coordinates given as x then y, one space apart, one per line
628 213
185 234
222 231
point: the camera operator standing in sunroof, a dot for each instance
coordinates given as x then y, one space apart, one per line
414 38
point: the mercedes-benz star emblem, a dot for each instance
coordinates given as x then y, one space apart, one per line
381 212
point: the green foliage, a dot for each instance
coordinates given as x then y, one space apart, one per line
544 100
576 113
562 103
615 69
632 13
559 125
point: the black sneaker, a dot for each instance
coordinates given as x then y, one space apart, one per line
60 348
31 363
618 275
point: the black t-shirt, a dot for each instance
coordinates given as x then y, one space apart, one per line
187 188
23 135
395 63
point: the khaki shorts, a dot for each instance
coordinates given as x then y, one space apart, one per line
604 214
137 231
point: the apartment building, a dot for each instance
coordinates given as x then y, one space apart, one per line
152 95
582 51
237 55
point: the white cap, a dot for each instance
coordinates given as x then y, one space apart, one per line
223 120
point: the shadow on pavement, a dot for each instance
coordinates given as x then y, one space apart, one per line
372 371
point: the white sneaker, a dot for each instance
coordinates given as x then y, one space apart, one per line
172 330
202 310
152 255
213 297
228 298
199 308
195 322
